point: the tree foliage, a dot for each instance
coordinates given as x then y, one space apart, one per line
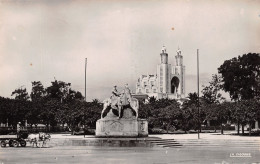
38 91
54 105
219 113
195 116
20 94
166 114
211 93
245 112
241 76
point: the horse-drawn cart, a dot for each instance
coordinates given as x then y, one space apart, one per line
13 140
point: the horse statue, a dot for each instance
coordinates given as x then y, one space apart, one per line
118 103
36 138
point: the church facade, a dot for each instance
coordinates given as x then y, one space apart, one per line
168 82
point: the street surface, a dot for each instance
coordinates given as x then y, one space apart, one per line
210 152
156 155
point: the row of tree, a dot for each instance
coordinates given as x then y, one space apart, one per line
166 113
163 113
55 105
239 76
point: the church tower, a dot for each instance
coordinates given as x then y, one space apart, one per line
179 58
163 72
178 76
164 56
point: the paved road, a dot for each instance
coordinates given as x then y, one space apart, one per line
155 155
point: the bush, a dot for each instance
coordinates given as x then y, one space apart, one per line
255 132
157 131
89 131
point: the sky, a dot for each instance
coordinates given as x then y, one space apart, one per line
121 39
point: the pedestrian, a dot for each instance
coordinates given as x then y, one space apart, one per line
18 127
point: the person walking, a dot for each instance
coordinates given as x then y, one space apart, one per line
18 127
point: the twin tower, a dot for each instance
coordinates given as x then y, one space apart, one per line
169 81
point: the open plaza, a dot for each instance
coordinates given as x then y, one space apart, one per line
210 148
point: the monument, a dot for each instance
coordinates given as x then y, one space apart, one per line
119 117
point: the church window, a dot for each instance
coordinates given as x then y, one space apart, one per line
147 90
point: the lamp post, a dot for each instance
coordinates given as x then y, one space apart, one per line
85 77
198 94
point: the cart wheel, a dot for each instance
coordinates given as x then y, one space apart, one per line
15 143
23 143
3 144
11 143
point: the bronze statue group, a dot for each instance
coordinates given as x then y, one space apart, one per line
118 102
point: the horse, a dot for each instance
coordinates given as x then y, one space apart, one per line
133 104
36 138
107 106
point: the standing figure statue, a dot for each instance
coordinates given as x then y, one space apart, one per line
115 98
125 100
126 96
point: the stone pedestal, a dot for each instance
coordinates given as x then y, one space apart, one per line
116 128
128 126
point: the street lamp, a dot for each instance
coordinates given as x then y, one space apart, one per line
198 93
85 76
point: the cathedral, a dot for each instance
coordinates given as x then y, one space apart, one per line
168 82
